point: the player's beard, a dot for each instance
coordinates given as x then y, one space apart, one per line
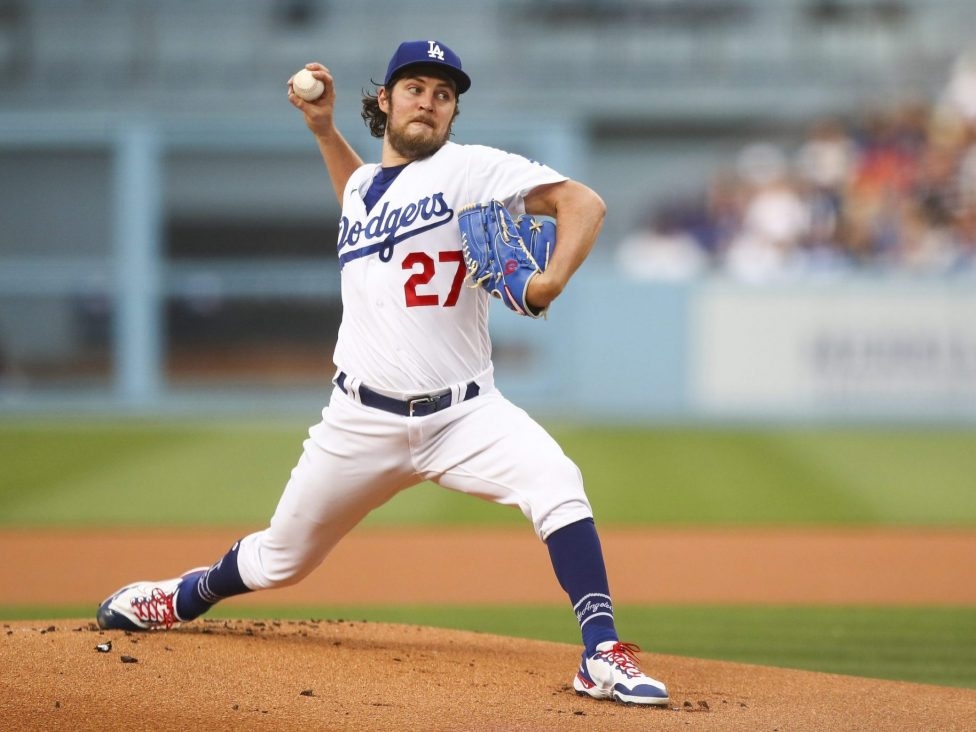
415 145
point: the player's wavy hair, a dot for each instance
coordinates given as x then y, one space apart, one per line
375 118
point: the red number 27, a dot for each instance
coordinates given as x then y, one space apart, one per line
425 274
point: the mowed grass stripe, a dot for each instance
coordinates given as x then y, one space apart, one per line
779 475
141 472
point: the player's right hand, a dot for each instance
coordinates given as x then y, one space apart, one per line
318 113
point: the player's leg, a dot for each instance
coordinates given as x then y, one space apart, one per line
608 668
354 460
494 450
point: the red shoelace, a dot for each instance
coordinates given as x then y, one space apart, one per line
157 609
624 657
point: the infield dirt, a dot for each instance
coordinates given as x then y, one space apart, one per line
341 675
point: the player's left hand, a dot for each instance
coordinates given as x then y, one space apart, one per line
503 254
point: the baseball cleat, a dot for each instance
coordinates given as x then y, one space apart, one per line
144 605
612 673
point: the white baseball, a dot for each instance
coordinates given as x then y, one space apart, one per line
307 86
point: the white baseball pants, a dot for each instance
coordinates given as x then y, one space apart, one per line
358 458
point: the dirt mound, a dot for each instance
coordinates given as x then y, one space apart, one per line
343 675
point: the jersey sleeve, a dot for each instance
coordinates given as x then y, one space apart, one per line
359 177
494 174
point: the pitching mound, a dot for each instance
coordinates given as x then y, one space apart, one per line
342 675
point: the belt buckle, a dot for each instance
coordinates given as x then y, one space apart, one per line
417 401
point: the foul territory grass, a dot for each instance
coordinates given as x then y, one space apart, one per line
139 472
924 645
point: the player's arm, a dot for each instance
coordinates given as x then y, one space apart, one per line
579 214
339 157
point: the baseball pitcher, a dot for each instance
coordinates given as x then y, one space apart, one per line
428 238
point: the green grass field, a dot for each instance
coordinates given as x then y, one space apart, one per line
114 472
111 472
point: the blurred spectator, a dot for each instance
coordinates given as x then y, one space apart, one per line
967 171
889 146
922 248
936 186
662 250
721 213
774 221
825 165
959 96
964 239
827 158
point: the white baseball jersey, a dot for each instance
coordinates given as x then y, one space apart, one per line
410 324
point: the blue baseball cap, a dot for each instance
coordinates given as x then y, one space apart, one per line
432 53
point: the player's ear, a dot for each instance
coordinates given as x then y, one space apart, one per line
383 99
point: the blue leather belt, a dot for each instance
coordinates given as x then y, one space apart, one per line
418 406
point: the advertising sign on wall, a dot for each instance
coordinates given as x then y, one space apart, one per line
861 349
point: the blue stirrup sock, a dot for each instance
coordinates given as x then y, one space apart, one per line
577 559
199 593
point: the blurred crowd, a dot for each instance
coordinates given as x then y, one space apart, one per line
893 191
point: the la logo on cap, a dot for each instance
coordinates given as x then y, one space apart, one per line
434 51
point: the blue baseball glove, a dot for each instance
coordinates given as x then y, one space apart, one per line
502 254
